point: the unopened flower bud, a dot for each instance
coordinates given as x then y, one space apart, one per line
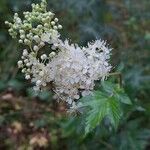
21 31
22 36
52 54
28 64
56 19
27 42
25 52
55 27
36 38
38 83
35 48
41 73
43 56
53 23
23 70
6 22
20 63
20 41
26 61
59 26
27 77
42 44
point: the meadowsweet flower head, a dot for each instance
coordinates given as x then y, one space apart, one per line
70 69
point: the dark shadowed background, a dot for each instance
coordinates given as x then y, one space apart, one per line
31 122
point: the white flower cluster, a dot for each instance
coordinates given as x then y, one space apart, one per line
75 69
69 69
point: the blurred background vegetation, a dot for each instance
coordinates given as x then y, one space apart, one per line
28 121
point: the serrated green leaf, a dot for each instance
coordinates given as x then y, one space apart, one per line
101 107
115 90
95 116
103 103
115 111
108 87
122 96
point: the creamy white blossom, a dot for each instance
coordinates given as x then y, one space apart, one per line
70 69
75 69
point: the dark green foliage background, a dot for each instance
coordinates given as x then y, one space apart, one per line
125 25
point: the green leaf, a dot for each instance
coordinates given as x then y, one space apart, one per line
118 92
108 87
103 103
115 111
95 116
122 96
100 107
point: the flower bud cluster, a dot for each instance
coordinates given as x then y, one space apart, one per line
70 69
35 69
36 24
